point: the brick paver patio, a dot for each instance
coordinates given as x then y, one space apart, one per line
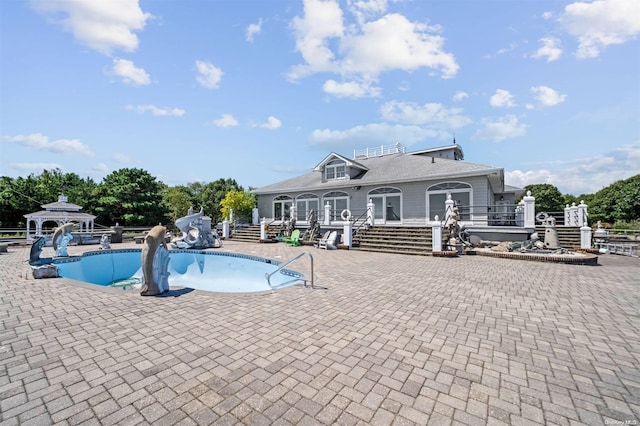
390 339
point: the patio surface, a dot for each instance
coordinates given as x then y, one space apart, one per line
391 339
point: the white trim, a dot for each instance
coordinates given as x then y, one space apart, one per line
384 219
468 190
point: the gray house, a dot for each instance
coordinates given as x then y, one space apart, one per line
402 188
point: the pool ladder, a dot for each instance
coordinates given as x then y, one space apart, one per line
280 267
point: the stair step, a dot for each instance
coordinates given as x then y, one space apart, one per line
396 251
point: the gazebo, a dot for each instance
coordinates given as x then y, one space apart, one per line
61 212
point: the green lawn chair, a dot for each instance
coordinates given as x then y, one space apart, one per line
294 239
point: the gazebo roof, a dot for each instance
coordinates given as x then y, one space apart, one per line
62 205
54 215
61 210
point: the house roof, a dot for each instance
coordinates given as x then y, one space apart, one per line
390 169
334 156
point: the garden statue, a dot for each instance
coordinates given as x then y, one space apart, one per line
550 232
313 231
155 263
196 232
36 250
105 244
61 238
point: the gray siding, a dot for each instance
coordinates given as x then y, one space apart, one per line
413 198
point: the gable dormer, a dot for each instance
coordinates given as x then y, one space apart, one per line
336 167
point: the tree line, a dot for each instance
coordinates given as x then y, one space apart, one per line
617 205
128 196
132 197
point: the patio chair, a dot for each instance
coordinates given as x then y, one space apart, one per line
294 239
316 243
330 242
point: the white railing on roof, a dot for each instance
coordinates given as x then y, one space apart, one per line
379 151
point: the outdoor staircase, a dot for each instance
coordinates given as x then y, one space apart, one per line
250 234
415 240
568 236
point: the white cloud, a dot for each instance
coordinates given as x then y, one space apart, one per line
100 168
351 89
253 29
35 167
393 42
271 124
547 96
550 49
583 175
460 95
363 50
209 75
227 120
158 112
522 178
121 158
601 23
41 142
502 98
129 73
427 114
322 20
370 134
104 26
506 127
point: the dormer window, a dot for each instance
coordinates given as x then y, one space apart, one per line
335 169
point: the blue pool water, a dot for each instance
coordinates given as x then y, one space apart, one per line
200 270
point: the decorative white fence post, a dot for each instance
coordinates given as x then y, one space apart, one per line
574 216
327 214
567 215
529 210
448 209
520 214
347 230
263 230
225 229
436 235
582 214
371 209
255 218
585 236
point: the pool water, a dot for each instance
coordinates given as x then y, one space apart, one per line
200 270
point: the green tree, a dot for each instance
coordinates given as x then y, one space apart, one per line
213 193
131 197
241 202
178 200
619 201
548 197
18 197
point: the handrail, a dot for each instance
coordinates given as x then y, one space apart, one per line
364 222
280 267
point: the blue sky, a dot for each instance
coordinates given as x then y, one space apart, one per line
261 91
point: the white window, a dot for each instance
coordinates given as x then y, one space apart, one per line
282 207
437 195
335 169
388 204
338 201
304 204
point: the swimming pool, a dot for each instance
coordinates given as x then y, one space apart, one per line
201 270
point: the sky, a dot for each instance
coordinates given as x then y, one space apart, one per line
261 91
